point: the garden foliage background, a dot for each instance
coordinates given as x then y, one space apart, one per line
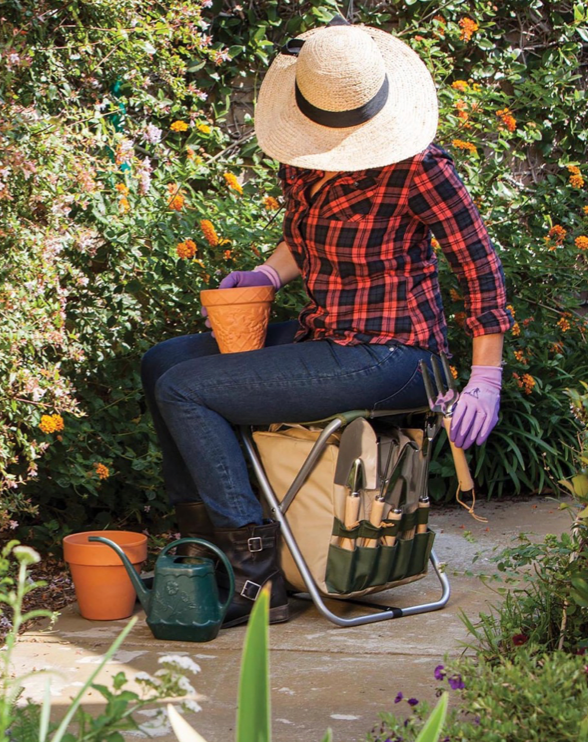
130 180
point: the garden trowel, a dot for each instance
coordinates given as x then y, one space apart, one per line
358 441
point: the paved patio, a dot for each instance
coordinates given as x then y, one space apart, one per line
321 675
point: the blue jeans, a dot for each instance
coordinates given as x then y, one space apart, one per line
197 396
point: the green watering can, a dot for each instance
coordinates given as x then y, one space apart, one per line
184 603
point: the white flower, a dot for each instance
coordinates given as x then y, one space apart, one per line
142 677
149 48
185 663
192 706
152 134
26 555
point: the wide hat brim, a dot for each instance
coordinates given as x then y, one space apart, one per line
405 126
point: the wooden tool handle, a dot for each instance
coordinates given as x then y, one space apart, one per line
423 504
391 540
352 504
376 515
466 483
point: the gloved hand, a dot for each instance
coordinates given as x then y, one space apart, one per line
262 275
476 412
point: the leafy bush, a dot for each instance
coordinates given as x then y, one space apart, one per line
535 697
130 179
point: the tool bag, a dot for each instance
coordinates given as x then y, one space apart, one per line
316 514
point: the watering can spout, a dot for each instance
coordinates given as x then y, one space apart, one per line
143 594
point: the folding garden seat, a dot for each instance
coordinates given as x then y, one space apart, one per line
351 495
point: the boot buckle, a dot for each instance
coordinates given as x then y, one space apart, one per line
255 543
250 590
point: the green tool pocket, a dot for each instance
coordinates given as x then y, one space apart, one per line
361 568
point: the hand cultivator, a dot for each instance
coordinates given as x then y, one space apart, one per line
444 401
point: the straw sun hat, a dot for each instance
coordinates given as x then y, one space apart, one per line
345 97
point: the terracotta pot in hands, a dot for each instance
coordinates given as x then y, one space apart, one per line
239 316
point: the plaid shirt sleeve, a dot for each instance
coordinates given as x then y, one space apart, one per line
439 199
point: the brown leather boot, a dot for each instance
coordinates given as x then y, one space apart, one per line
254 555
194 522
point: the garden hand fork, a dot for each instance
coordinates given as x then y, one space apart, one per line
444 402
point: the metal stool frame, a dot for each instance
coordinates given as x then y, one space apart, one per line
279 512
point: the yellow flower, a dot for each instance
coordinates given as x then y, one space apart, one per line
454 372
460 85
435 244
516 330
585 210
179 126
124 206
102 471
520 356
51 423
468 28
232 182
581 242
563 324
271 204
528 383
511 309
209 232
122 188
186 249
204 128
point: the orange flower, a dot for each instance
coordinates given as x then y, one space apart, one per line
227 255
528 383
176 201
585 210
209 232
511 309
179 126
581 242
124 206
557 347
51 423
435 244
460 144
520 356
507 119
455 295
563 324
460 85
576 179
271 204
102 471
460 318
516 330
233 183
190 154
454 372
468 28
557 233
122 188
186 249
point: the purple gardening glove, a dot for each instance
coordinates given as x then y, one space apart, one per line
476 412
263 275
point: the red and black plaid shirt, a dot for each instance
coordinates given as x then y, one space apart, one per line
363 245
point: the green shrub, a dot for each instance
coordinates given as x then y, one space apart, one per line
531 697
122 135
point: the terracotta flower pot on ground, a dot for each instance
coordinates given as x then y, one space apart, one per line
103 588
239 316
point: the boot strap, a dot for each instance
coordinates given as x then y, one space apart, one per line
250 590
255 543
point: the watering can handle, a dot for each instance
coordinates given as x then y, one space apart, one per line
217 551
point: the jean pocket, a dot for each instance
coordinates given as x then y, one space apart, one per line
410 394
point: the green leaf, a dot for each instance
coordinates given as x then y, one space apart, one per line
328 736
432 729
254 706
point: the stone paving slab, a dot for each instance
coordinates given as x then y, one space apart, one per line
321 675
